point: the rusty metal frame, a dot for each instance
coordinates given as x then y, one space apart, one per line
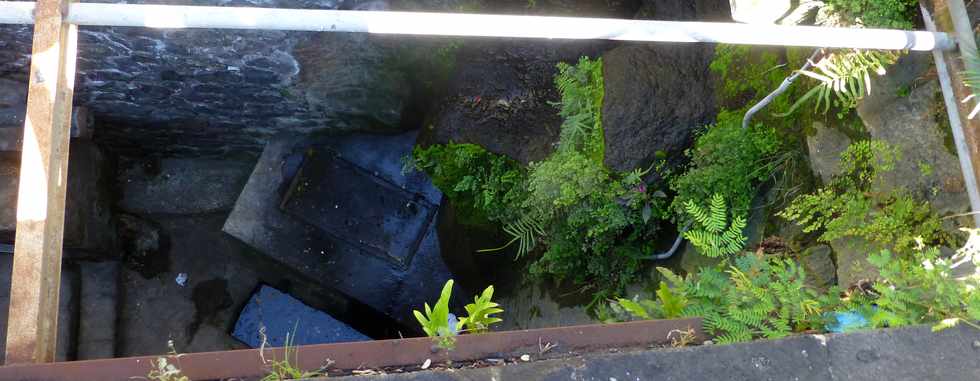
379 354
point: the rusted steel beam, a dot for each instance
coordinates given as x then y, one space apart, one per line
32 324
247 364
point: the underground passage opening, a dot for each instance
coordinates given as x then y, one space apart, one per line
254 189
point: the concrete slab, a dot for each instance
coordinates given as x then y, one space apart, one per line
372 280
276 319
912 354
359 207
183 186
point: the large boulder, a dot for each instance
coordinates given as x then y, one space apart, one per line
691 10
656 96
908 112
824 147
502 96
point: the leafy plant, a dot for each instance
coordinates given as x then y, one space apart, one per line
479 319
714 236
585 224
482 185
440 323
435 322
843 78
525 232
849 206
923 288
582 91
729 161
892 14
755 297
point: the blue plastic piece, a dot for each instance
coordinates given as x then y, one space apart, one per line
847 321
282 314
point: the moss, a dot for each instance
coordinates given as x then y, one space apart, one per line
937 109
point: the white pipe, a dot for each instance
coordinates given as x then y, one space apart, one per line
956 124
473 25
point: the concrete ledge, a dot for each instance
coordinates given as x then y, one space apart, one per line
913 353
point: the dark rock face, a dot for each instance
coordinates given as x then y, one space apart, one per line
217 91
656 96
502 96
672 10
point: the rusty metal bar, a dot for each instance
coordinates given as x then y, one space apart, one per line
247 364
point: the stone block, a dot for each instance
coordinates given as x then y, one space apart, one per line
274 319
183 186
99 306
818 262
332 258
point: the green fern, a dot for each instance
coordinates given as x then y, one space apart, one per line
756 297
525 232
714 237
971 78
849 206
844 78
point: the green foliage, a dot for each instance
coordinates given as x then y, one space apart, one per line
435 322
479 319
849 206
482 185
747 77
923 288
755 297
287 368
891 14
713 236
843 78
588 226
582 90
729 161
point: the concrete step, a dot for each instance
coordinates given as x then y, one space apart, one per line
99 310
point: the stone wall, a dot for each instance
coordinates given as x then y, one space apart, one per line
213 91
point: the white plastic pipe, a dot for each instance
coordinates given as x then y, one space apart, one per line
474 25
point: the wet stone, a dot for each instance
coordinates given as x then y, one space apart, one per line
345 201
275 315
